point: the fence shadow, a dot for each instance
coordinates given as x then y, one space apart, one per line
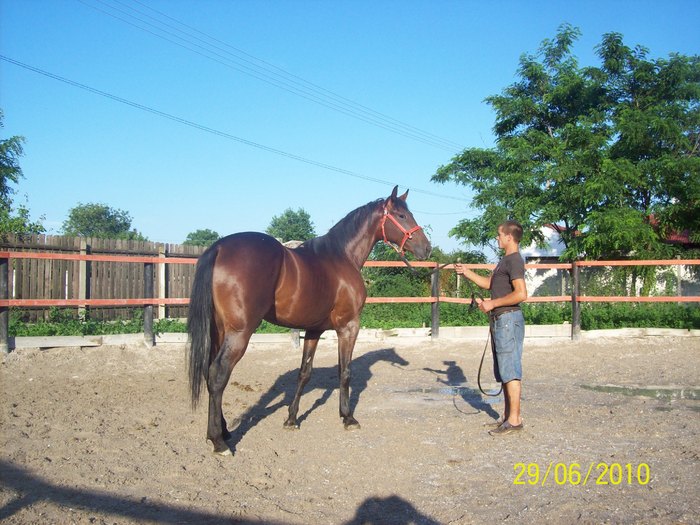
32 490
322 378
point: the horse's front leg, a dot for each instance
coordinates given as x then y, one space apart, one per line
346 343
310 343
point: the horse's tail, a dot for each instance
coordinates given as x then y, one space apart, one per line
199 322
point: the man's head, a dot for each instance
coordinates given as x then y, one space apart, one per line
509 232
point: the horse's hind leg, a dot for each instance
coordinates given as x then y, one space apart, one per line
310 343
231 351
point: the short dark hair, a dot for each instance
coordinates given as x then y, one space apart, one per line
513 228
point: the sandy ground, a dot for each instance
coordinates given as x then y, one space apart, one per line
106 435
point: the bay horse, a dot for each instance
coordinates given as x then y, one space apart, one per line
247 277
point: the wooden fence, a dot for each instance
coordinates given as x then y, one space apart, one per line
58 268
97 274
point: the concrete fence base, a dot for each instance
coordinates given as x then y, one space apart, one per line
562 331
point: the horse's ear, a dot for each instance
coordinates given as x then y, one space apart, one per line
392 196
403 197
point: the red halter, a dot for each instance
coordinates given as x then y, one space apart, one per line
407 234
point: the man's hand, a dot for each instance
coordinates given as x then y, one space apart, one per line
485 305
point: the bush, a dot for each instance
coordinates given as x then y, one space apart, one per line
547 313
640 315
64 321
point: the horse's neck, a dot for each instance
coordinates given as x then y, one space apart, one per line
357 246
359 249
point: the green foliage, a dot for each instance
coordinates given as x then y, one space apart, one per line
64 321
452 314
640 315
169 326
269 328
101 221
13 221
387 316
10 171
292 226
201 238
547 313
609 153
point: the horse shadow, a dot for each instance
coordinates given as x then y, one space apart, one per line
455 378
281 393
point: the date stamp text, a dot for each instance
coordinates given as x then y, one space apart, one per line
575 474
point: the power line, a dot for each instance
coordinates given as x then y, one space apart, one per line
223 53
214 131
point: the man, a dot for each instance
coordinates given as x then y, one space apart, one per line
507 286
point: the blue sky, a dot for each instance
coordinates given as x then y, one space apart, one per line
424 64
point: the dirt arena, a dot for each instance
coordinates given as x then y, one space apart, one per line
106 435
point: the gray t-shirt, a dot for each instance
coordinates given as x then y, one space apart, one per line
508 269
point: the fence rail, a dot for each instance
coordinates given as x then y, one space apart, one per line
152 282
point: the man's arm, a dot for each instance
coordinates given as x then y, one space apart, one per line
480 280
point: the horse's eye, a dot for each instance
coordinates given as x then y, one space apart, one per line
402 216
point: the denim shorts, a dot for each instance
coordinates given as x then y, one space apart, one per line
507 336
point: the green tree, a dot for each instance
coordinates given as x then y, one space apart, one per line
13 221
100 220
292 226
608 153
201 238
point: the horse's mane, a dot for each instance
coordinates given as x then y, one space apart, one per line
337 238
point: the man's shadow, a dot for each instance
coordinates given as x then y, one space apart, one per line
389 511
324 379
455 378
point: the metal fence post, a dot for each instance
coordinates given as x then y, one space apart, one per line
148 335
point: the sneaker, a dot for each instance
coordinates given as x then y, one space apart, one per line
506 428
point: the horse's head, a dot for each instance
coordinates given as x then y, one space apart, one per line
399 228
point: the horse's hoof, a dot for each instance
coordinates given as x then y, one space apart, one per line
291 425
220 447
351 424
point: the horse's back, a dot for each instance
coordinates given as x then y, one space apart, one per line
255 278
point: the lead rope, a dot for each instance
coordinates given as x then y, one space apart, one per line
483 354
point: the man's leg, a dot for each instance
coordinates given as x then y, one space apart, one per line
506 402
511 391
